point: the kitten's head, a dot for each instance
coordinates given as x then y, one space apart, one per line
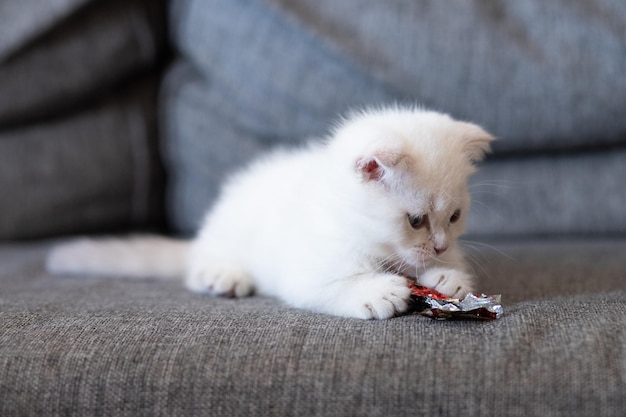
408 171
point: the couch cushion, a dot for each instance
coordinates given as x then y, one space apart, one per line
78 146
543 78
569 193
93 171
93 346
538 76
23 21
79 53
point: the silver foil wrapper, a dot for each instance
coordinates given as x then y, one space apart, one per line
433 304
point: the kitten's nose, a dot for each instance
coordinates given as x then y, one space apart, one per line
440 250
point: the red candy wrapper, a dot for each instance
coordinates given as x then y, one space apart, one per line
433 304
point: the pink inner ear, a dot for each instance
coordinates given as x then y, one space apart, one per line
371 169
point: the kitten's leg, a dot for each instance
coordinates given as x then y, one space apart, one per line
214 266
219 279
450 278
211 274
367 296
451 282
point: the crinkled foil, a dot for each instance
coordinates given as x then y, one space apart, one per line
433 304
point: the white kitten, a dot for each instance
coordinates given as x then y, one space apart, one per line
334 227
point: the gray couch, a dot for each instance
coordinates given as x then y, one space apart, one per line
124 116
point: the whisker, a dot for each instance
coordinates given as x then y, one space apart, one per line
474 262
482 204
487 209
493 248
434 258
388 262
503 184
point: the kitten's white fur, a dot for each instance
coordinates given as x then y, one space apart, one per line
326 228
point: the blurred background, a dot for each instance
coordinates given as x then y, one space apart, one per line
120 116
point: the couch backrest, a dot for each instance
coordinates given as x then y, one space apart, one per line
546 78
78 121
78 140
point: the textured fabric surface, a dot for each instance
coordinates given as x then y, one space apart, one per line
93 171
78 92
207 137
78 346
255 73
84 55
577 193
536 75
23 21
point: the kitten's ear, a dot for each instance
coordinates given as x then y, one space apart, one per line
376 166
477 142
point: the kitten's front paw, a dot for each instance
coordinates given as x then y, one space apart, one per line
220 281
451 282
380 297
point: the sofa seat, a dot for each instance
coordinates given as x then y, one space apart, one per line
96 346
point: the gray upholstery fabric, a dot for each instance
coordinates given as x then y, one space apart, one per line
95 171
541 77
83 56
25 20
578 193
78 346
78 91
533 74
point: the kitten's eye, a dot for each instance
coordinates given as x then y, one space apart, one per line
417 220
455 216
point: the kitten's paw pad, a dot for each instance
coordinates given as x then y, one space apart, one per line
451 282
225 282
382 298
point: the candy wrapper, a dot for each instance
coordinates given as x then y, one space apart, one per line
433 304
